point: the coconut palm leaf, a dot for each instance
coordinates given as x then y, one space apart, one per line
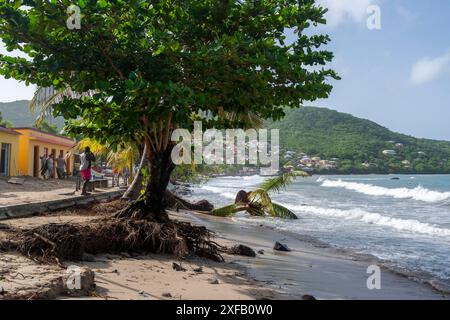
227 211
123 158
260 196
44 99
96 147
255 210
281 182
282 212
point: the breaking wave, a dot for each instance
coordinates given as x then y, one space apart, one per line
410 225
220 191
418 193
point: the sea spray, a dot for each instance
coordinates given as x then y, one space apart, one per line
410 225
418 193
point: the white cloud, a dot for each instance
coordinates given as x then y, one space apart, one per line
429 69
341 11
11 89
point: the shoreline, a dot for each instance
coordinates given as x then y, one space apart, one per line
313 267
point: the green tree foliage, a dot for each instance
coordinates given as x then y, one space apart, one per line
47 127
154 66
330 134
4 122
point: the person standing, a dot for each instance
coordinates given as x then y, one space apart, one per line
61 167
50 166
44 166
86 158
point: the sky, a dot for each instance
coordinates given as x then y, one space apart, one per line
397 76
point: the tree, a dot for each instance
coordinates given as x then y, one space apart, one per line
154 66
5 123
47 127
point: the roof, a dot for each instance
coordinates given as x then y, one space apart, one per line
60 143
9 131
44 132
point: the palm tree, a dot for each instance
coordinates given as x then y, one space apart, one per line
258 202
125 156
44 99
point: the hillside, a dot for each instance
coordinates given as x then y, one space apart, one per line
358 143
19 114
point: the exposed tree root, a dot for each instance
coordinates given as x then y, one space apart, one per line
138 209
56 242
175 202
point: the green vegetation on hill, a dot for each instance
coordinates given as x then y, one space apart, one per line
18 113
4 123
358 144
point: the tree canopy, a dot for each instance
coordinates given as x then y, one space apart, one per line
146 60
153 66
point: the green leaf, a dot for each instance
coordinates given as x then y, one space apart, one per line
282 212
227 211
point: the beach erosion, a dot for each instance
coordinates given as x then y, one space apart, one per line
310 268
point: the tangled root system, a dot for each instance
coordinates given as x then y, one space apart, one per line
65 241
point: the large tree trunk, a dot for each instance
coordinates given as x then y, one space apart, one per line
161 167
134 190
152 204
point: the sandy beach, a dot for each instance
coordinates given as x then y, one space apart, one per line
132 276
309 269
35 190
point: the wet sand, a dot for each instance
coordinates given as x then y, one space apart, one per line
311 268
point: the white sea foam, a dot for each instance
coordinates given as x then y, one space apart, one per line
220 191
418 193
410 225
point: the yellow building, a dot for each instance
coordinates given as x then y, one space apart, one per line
34 143
9 152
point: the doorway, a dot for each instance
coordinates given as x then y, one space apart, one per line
36 162
5 155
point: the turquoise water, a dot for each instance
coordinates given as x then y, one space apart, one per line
405 222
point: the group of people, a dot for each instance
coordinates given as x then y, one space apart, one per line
48 166
87 158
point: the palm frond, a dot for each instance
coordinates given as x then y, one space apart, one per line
123 158
260 196
255 211
281 182
44 99
227 211
282 212
96 147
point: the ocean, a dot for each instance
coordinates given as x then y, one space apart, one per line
404 223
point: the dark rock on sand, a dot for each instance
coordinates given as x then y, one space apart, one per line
215 281
308 297
167 295
177 267
242 250
261 251
281 247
